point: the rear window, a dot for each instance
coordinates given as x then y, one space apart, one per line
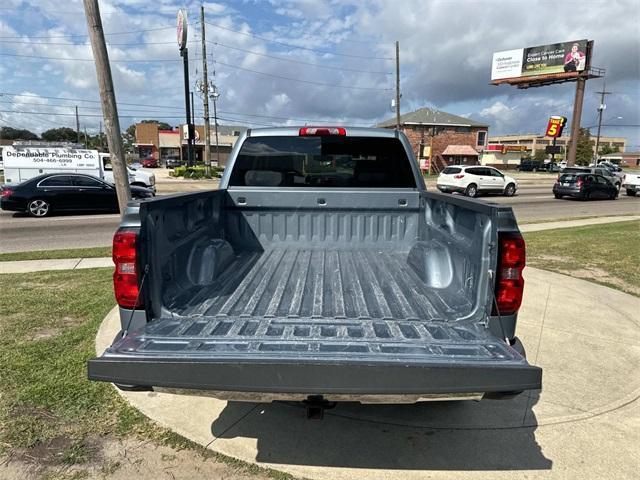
451 170
573 170
569 178
325 161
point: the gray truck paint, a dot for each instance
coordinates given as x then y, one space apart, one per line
300 291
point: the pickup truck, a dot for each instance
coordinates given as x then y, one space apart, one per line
631 183
321 268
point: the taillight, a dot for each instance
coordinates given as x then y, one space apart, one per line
509 281
579 182
125 276
458 177
321 131
6 193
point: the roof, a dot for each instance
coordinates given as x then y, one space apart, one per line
460 150
431 116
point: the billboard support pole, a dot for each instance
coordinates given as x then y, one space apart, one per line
575 121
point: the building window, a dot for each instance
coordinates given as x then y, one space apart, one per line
463 129
482 139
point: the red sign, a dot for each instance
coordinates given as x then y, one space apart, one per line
555 126
182 28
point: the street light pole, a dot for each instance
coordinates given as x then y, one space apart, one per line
601 108
214 96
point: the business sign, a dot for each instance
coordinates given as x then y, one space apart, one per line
182 29
565 57
555 126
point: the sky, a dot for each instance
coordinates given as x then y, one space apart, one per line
314 61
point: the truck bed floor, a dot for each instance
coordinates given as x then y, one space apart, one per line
317 284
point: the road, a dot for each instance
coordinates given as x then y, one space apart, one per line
533 202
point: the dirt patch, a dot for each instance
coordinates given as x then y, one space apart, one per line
600 276
54 330
133 458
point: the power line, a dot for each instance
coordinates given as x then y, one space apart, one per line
298 61
73 35
310 82
281 77
289 45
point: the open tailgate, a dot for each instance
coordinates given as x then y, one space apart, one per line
311 356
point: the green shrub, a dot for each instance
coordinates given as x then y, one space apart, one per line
196 172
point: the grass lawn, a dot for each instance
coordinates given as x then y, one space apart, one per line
66 253
52 419
608 254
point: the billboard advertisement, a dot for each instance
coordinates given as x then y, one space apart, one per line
555 126
566 57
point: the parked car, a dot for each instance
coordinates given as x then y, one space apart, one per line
474 180
149 162
631 183
585 186
355 285
55 192
602 171
530 166
173 162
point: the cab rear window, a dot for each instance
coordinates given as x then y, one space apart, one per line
323 161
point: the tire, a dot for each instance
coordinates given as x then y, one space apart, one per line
614 196
631 193
471 190
38 208
510 190
558 197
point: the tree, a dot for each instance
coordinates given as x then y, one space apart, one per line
540 155
10 133
63 134
606 150
584 150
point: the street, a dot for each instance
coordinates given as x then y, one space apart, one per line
532 203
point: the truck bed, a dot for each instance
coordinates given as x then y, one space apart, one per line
324 283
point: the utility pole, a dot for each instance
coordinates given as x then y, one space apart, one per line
575 121
397 85
101 141
601 108
77 126
86 140
205 97
108 101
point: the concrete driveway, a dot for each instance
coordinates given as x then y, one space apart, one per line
584 424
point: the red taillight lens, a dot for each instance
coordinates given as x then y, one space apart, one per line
125 276
321 131
509 281
6 193
579 183
458 177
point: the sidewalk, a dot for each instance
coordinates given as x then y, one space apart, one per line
24 266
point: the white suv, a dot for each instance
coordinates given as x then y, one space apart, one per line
476 179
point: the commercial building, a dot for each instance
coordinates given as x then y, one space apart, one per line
164 144
625 159
534 142
445 138
504 157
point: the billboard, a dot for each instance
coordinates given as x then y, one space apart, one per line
555 126
565 57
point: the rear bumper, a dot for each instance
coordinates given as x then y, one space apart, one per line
284 378
567 191
12 206
450 188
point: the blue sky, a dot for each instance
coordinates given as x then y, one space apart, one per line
332 60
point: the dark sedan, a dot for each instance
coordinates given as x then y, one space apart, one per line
55 192
585 186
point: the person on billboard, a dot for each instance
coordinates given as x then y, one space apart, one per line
574 60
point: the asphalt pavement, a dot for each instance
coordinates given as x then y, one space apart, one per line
533 202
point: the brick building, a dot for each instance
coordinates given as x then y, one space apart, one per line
163 144
448 139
